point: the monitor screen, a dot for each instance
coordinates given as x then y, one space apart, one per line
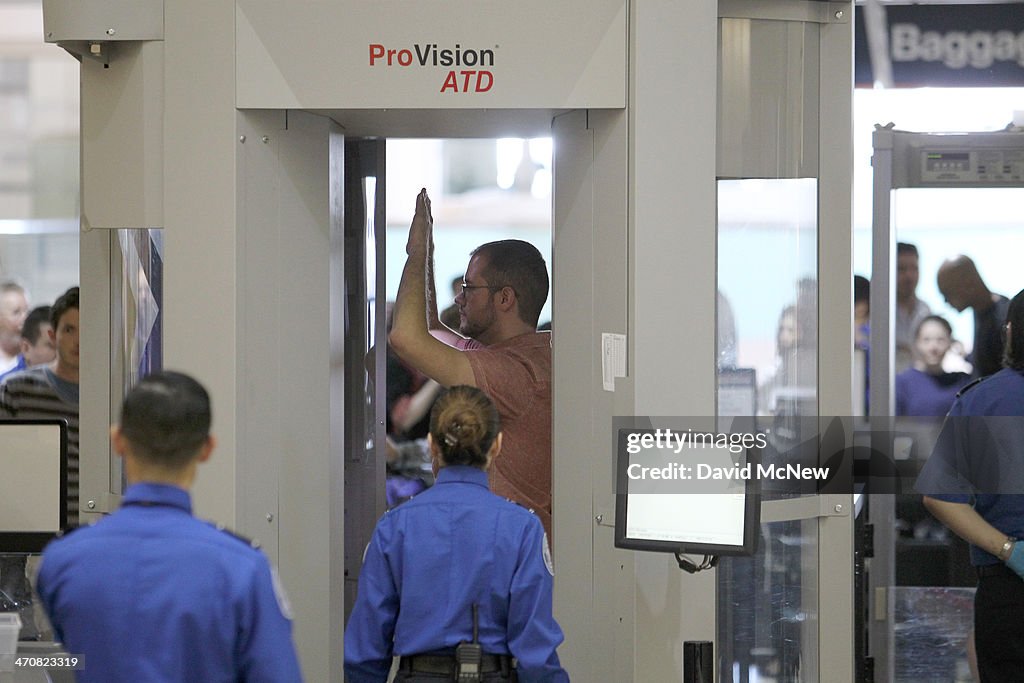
33 485
692 498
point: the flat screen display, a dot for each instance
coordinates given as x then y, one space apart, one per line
696 498
33 483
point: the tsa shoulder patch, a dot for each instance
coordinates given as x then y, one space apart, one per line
282 598
546 553
970 385
530 510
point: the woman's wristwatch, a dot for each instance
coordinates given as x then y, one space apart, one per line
1007 549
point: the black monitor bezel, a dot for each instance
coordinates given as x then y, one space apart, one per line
32 542
751 512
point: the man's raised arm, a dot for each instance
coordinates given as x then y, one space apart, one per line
410 336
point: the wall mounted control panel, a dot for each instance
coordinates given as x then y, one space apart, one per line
982 166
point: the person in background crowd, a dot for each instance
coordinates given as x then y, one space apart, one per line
36 343
926 390
13 310
962 286
861 312
910 310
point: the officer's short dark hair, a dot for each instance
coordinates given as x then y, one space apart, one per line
34 322
464 424
519 265
62 305
1013 356
166 418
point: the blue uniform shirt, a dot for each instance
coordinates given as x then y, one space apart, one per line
151 593
431 559
977 461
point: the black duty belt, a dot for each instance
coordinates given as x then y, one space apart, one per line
987 570
446 664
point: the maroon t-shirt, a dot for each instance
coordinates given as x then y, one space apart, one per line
516 375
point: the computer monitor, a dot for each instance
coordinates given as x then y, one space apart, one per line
687 511
33 483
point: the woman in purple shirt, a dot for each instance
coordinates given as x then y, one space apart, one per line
926 390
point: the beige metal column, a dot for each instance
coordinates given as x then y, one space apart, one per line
247 218
593 582
836 619
800 126
673 56
200 315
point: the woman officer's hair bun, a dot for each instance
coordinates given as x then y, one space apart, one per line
464 424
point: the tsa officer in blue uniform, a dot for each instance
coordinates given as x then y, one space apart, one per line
456 573
151 593
972 483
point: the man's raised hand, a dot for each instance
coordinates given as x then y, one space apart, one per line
421 230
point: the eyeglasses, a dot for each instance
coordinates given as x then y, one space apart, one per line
493 288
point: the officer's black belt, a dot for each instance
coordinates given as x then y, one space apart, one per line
446 664
1000 569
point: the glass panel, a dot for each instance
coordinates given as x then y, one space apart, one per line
767 284
767 366
930 634
136 320
370 199
767 625
364 471
370 435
